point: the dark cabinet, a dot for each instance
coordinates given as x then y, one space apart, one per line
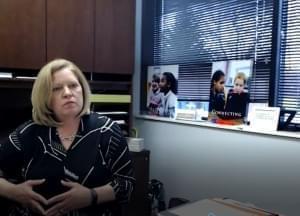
98 35
70 31
140 204
22 33
114 41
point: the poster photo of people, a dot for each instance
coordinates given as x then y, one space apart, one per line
162 83
229 90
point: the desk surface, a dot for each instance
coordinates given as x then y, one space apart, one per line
215 207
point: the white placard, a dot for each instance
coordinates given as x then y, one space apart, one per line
265 118
251 107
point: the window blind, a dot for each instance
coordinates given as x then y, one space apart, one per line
289 75
195 33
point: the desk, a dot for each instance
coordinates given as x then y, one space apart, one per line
216 207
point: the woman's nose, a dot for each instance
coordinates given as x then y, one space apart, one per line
67 91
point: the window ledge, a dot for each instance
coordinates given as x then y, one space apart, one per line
240 128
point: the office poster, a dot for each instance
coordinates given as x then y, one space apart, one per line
229 90
162 86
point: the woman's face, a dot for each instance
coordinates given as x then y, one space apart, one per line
154 85
219 85
163 84
67 97
239 85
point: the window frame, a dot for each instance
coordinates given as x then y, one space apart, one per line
148 15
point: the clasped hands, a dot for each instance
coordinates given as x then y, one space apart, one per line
77 197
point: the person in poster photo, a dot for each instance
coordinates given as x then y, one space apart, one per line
168 86
217 95
238 97
155 96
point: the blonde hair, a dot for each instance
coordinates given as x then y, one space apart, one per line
42 92
242 76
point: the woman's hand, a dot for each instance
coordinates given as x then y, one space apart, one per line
76 198
24 195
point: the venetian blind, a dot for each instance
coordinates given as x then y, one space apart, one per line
289 75
195 33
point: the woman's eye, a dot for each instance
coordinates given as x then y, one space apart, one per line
74 85
55 89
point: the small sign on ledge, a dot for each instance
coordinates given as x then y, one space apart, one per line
264 118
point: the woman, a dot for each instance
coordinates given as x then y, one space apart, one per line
67 161
168 86
238 97
155 96
217 96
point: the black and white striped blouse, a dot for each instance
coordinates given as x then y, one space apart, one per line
99 155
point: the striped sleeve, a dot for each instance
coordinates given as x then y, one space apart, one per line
11 153
119 163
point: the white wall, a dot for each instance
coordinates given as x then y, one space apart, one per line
197 162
